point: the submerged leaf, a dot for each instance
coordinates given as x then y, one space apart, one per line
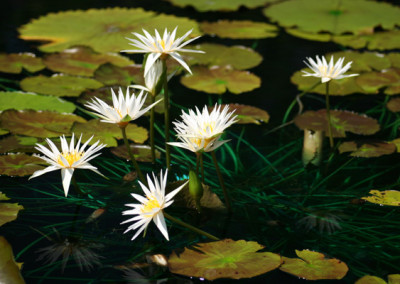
386 197
224 259
312 265
247 114
19 165
13 63
9 269
220 5
367 150
141 153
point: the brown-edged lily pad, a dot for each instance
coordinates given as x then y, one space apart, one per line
238 57
107 133
386 197
224 259
9 269
363 61
342 121
220 5
367 150
38 123
218 80
82 61
21 101
313 265
13 63
111 75
59 85
142 153
371 82
19 165
239 29
17 144
384 40
8 211
105 30
247 114
393 104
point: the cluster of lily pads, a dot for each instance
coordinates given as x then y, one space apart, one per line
93 80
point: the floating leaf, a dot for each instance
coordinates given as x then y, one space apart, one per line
3 196
342 121
367 150
351 16
111 75
21 101
38 124
247 114
371 82
393 89
220 5
218 80
61 86
369 279
394 58
394 278
4 131
324 37
17 144
224 259
239 29
142 153
386 197
19 165
13 63
9 269
393 104
105 30
313 265
363 61
376 41
82 61
108 132
8 212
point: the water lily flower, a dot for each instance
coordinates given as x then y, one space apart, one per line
151 206
157 47
152 79
200 131
70 158
124 109
327 71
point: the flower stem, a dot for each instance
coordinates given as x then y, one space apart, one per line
190 227
328 116
202 167
135 164
152 114
221 182
197 163
166 115
76 186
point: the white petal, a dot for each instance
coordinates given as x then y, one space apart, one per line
66 175
160 223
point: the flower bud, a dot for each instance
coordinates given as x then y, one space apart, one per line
195 188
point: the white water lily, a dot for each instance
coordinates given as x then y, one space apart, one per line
151 206
152 79
327 71
156 47
200 131
70 158
124 109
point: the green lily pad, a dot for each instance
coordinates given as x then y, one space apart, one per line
323 37
385 40
82 61
369 279
239 29
17 144
142 153
393 89
108 132
342 121
239 57
19 165
393 105
218 80
224 259
38 124
394 278
220 5
363 61
21 101
60 85
8 211
3 196
371 82
386 197
4 131
13 63
247 114
367 150
105 30
394 58
111 75
313 265
9 269
350 16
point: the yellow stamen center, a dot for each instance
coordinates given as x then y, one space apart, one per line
151 205
197 141
71 158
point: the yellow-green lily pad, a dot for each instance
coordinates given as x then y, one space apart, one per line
17 144
220 5
385 197
313 265
13 63
218 80
59 85
394 58
342 121
21 101
239 29
142 153
347 16
82 61
8 211
38 123
19 165
385 40
369 279
393 104
239 57
367 150
9 269
247 114
104 30
363 61
107 133
4 131
3 196
224 259
111 75
371 82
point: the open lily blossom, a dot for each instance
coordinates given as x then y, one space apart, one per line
70 158
327 71
195 144
151 79
151 205
156 46
124 109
